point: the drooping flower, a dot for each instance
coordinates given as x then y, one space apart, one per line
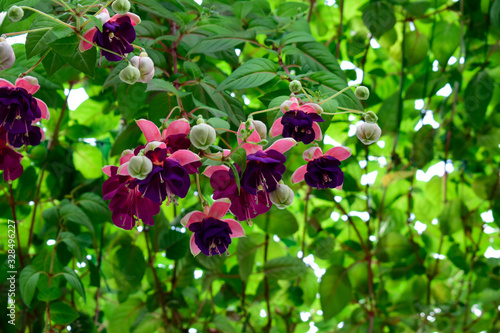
10 160
175 137
211 233
264 168
299 122
117 35
145 66
7 55
322 170
127 204
19 111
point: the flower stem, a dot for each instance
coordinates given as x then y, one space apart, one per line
35 65
24 32
102 48
203 201
96 13
341 108
335 95
48 16
88 8
263 111
308 97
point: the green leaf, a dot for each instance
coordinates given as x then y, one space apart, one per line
448 37
162 85
62 313
285 268
227 104
221 43
495 13
114 78
191 69
316 57
94 207
28 280
393 246
246 256
219 123
96 21
278 222
237 179
155 8
65 46
450 219
335 291
242 8
240 157
49 294
72 213
223 324
330 84
84 62
175 243
130 267
423 146
477 96
126 139
88 160
458 258
74 281
379 17
52 63
70 240
252 73
296 37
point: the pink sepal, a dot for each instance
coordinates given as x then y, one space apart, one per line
193 217
236 228
88 35
134 18
299 174
211 169
123 169
180 126
318 136
43 109
340 153
312 153
283 145
277 128
5 83
107 170
185 156
219 208
31 87
150 130
195 250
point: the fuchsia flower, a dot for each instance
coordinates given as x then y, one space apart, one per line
299 122
211 234
263 171
10 160
322 171
19 111
166 177
117 35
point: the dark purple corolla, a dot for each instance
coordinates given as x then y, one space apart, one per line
10 160
263 171
127 203
116 36
322 171
299 125
32 138
212 236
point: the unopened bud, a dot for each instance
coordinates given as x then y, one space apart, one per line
145 66
371 117
130 74
282 197
7 56
202 136
15 13
295 86
200 120
121 6
368 133
362 93
139 167
260 127
152 146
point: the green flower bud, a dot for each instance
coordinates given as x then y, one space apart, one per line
7 56
139 167
145 65
202 136
260 127
121 6
368 133
282 197
200 120
295 86
371 117
130 74
362 93
15 13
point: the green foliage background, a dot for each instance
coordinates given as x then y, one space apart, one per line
377 274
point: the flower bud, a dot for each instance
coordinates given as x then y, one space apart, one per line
139 167
7 56
295 86
371 117
130 74
368 133
15 13
260 127
362 93
121 6
202 136
282 197
153 145
145 65
200 120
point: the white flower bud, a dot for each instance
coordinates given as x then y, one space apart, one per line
202 136
260 127
130 74
152 146
121 6
15 13
368 133
362 93
145 66
7 56
295 86
282 197
139 167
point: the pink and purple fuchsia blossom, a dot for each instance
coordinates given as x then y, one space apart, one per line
211 233
10 160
